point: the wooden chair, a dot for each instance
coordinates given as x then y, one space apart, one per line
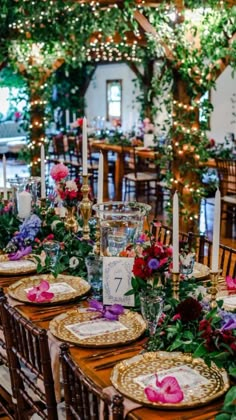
227 256
138 180
29 365
227 179
84 400
202 247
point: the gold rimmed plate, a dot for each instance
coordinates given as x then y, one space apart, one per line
65 288
85 328
200 383
200 271
18 267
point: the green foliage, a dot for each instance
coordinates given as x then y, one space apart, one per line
9 224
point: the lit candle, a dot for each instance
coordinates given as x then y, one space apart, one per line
67 118
85 148
100 179
43 188
175 233
216 233
4 177
24 204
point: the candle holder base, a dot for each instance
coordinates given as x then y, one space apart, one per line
214 275
175 285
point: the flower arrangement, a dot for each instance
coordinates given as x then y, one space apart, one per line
152 263
20 244
70 192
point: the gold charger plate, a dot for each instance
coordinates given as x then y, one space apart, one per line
23 266
132 323
200 271
73 287
229 300
199 382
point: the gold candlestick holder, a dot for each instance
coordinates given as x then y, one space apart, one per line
175 285
85 208
214 276
43 207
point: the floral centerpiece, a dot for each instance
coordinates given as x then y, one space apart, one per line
21 243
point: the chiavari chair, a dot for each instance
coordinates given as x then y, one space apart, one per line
227 184
29 365
83 398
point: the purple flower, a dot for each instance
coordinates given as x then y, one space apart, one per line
153 264
109 312
30 227
228 320
20 253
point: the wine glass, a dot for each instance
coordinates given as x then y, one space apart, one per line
151 302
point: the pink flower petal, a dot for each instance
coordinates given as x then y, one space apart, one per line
231 283
44 285
168 391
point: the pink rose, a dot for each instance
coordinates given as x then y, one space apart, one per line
59 172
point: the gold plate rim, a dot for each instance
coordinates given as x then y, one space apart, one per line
17 271
58 299
202 268
99 340
171 356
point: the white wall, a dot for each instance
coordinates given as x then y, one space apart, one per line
221 121
96 94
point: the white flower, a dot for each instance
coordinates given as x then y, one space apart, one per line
54 225
71 185
73 262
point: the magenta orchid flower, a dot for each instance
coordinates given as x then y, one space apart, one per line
167 391
231 283
40 293
109 312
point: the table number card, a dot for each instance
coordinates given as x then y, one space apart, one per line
117 273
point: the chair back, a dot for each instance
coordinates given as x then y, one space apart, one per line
29 364
83 398
227 176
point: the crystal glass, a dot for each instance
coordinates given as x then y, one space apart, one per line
151 301
187 263
52 249
121 223
94 269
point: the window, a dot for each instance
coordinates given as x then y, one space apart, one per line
114 101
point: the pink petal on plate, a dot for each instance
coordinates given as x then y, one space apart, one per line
171 390
44 297
152 394
44 285
31 295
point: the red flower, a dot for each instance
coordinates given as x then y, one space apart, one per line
189 309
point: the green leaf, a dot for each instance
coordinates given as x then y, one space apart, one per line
230 397
223 416
200 351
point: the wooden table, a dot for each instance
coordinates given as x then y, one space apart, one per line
119 164
102 377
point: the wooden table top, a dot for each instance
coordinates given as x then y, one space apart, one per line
102 377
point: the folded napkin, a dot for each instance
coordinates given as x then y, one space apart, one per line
129 405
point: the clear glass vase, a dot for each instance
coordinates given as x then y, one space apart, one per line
121 223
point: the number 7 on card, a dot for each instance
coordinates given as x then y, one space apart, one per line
117 274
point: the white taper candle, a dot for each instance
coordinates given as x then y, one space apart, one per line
175 233
100 179
42 165
216 233
4 168
85 148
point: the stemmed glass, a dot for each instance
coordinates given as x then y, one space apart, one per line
151 302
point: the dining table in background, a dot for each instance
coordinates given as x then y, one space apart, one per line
120 151
93 367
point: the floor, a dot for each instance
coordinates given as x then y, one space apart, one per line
17 168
